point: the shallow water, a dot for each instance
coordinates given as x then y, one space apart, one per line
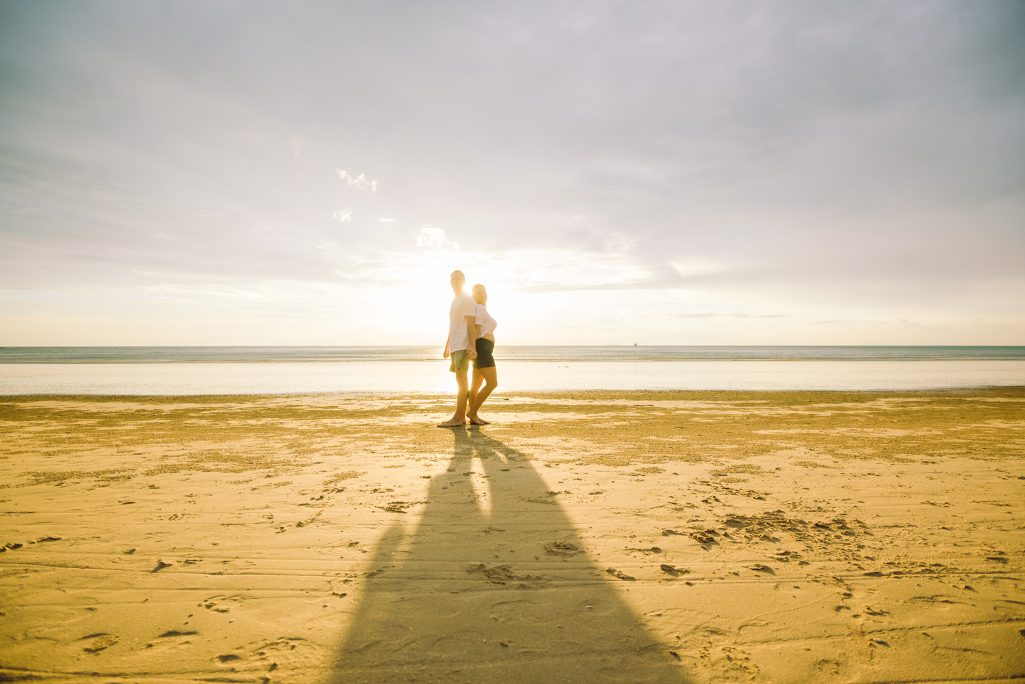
433 376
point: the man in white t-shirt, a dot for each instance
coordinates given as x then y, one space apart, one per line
460 344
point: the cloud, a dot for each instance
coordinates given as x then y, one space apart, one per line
360 182
841 160
297 147
713 314
432 237
615 283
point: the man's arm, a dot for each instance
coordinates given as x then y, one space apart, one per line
471 331
447 353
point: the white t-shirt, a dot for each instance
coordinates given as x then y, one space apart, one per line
462 306
484 320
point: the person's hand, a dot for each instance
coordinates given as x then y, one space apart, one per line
446 354
473 353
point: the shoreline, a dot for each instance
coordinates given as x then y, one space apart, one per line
592 393
640 359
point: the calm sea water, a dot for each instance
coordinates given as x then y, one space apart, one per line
277 370
509 353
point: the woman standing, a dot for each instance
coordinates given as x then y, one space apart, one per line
484 365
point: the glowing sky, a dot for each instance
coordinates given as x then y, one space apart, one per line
616 172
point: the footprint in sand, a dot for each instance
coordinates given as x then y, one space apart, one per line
786 556
221 603
171 633
557 548
672 570
503 574
270 652
98 642
649 550
706 538
399 506
619 574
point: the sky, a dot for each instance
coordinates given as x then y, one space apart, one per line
685 172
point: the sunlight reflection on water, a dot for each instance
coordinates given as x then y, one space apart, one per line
300 377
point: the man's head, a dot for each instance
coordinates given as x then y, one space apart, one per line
458 280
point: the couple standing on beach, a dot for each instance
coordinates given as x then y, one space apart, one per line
470 338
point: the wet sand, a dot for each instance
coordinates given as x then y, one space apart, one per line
585 536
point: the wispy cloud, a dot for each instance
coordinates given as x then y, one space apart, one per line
297 147
433 237
361 181
613 283
713 314
386 220
342 215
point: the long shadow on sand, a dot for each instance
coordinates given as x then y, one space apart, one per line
502 595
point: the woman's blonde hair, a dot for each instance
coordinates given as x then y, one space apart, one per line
480 294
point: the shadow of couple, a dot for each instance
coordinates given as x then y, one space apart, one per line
494 585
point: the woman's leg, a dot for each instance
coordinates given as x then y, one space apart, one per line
471 401
491 375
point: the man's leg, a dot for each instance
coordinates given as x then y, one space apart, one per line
461 400
459 417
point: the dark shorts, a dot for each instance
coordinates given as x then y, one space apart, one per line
485 354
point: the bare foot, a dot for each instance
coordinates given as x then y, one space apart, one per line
477 420
452 423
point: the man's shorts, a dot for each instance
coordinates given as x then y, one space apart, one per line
460 360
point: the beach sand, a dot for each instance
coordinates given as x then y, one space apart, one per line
586 536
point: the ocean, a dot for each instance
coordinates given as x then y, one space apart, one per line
565 354
277 370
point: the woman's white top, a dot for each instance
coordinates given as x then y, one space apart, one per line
484 320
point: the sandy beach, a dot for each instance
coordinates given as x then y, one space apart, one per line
582 537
